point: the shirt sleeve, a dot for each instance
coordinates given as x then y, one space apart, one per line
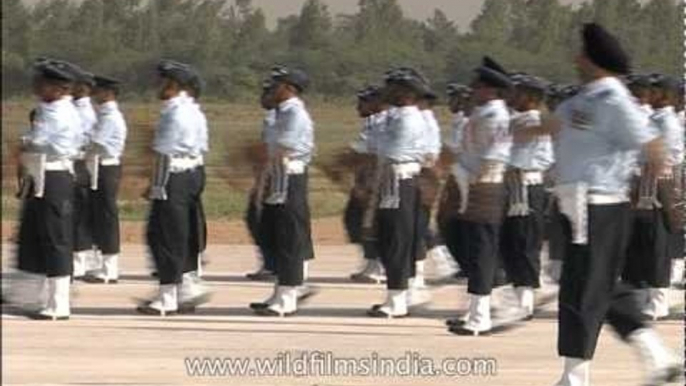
295 130
110 134
674 140
629 127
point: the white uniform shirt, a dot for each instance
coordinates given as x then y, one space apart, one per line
55 130
178 131
535 155
487 136
433 134
672 131
403 139
88 119
603 130
110 131
293 130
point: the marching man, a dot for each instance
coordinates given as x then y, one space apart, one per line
599 134
479 174
176 185
106 149
401 152
532 156
373 110
45 235
285 219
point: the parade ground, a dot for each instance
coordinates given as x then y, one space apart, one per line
107 343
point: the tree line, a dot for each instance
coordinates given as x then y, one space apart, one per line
231 45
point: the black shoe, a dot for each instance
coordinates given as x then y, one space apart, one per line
454 322
261 275
145 309
39 316
271 313
376 312
259 305
98 280
464 331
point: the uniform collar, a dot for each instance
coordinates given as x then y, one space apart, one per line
177 100
83 102
493 104
602 84
108 106
289 104
664 110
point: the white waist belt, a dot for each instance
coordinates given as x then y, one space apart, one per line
182 164
406 171
532 178
295 167
607 199
495 174
110 161
60 166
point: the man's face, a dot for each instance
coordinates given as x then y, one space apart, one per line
641 93
102 95
483 93
283 92
47 91
169 88
584 67
363 108
81 91
267 98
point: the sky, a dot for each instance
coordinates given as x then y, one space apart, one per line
460 11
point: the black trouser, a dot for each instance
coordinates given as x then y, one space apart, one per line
353 220
252 220
453 231
83 213
286 232
396 236
648 263
676 245
422 222
590 291
198 234
105 210
46 229
482 251
522 240
170 226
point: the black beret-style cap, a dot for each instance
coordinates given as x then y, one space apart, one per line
80 75
493 74
457 89
106 82
52 70
293 76
369 93
604 50
531 82
172 69
411 78
638 80
665 82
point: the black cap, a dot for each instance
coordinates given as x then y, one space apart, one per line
604 50
456 89
51 70
105 82
665 82
531 82
78 74
369 93
638 80
293 76
493 74
180 72
411 78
